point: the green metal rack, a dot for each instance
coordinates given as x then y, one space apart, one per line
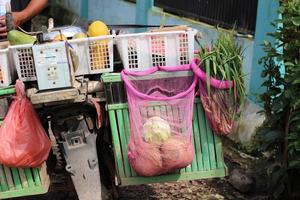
208 161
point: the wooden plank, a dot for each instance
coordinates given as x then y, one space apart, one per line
203 137
3 181
219 152
182 170
36 177
211 146
194 166
43 173
24 192
174 177
127 134
16 178
188 168
197 135
9 178
23 178
116 143
123 143
29 177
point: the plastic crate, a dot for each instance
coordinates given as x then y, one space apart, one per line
208 161
18 182
24 62
141 51
95 54
5 68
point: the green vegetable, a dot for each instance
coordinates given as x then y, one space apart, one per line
156 130
16 37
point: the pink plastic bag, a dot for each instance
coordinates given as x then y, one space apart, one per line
23 140
160 102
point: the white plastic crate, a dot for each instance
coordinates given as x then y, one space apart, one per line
5 68
95 54
24 62
141 51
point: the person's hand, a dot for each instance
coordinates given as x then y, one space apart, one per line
19 18
2 26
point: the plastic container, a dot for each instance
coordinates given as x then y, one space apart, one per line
141 51
24 62
95 54
6 71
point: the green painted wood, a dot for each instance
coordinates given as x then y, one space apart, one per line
111 77
116 77
127 133
125 105
7 91
197 134
29 177
174 177
3 181
116 143
194 166
16 178
20 182
188 168
219 152
23 192
122 136
36 177
182 170
9 178
211 146
23 178
203 137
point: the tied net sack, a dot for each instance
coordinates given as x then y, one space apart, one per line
23 140
160 102
220 104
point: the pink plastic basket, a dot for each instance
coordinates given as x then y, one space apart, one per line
160 102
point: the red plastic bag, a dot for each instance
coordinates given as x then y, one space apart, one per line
23 140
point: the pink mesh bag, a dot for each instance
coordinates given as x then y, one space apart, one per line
160 102
219 105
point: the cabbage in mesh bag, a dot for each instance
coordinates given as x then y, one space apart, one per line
160 102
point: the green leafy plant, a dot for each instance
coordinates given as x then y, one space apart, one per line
280 133
281 100
223 60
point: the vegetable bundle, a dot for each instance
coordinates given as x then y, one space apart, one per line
223 61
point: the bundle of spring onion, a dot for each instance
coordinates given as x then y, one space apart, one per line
223 60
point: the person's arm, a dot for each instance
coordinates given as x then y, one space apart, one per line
33 8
